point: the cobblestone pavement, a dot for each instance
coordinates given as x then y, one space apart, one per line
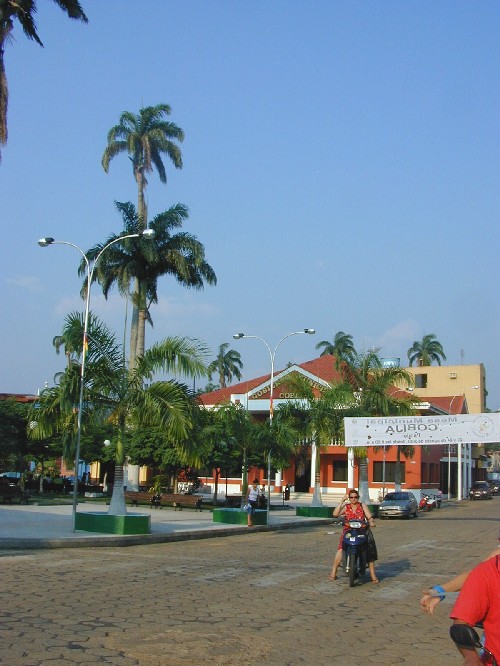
256 598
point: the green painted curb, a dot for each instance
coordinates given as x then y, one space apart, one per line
314 511
238 516
107 524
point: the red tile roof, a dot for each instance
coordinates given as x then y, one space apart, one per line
18 397
322 367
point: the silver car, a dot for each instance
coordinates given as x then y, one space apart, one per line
402 504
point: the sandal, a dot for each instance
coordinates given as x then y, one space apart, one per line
330 577
375 581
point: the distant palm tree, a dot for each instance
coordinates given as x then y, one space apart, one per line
180 255
115 395
342 348
426 351
227 365
23 11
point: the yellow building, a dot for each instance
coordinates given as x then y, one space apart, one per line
452 381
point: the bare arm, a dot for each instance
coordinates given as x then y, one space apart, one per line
430 598
340 508
471 657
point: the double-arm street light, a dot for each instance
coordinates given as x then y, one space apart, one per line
90 267
272 354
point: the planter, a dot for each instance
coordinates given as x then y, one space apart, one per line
314 511
238 516
104 523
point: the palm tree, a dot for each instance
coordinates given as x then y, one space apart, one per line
146 137
227 365
342 348
375 396
425 351
180 255
319 419
116 395
235 427
23 11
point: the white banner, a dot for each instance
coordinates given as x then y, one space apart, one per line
422 430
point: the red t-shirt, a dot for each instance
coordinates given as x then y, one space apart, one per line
479 601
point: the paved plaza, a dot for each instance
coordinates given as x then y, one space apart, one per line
254 597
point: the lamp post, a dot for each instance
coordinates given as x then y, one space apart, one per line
272 354
44 242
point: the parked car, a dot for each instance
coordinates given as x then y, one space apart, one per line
494 487
401 504
480 490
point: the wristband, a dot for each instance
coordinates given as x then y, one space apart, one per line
440 592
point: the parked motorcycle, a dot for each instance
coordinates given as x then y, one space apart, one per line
354 547
427 503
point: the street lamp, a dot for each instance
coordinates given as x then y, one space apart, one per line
149 234
272 354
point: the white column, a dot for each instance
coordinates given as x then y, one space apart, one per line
277 479
132 477
312 482
350 468
459 471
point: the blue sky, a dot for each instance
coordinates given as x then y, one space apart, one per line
340 167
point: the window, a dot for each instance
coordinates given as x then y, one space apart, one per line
421 381
340 470
390 470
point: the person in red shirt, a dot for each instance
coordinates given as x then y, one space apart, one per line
479 601
353 509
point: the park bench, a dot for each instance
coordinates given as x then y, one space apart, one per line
180 501
177 500
9 492
136 496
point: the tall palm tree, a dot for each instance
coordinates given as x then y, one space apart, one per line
23 11
146 137
426 351
342 348
116 395
227 365
180 255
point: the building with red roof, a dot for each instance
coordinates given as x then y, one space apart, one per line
429 469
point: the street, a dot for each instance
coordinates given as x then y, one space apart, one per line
257 598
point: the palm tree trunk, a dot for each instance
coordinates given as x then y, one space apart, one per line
364 494
141 326
134 327
117 506
216 484
316 500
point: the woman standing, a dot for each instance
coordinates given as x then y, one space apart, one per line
353 509
252 500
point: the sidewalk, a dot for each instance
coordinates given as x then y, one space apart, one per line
32 526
